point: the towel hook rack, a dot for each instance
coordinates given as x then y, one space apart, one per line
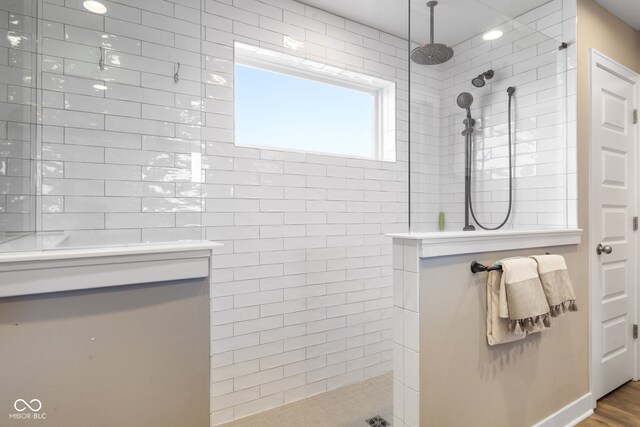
476 267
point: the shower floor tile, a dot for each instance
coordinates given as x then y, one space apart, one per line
347 406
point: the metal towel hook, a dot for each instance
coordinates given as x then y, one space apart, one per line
176 76
101 61
476 267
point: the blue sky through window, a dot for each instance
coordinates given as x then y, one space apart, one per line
287 112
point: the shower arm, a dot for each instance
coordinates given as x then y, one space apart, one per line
432 5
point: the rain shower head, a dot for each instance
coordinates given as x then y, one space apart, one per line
481 79
432 53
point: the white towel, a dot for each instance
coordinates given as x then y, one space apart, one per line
498 329
522 299
556 283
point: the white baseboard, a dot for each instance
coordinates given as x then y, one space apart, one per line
571 414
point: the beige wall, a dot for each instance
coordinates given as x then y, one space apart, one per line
122 356
599 29
510 385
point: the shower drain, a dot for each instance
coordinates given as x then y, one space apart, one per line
377 421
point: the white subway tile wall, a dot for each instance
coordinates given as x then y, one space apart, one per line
406 333
303 291
17 98
122 150
526 57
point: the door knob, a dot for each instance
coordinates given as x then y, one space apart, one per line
606 249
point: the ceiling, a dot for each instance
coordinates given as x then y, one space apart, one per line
456 20
627 10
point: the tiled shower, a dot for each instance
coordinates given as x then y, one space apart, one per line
304 304
119 129
528 57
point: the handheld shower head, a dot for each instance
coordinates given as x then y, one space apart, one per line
464 100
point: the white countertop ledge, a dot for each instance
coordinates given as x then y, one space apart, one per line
62 253
59 269
465 242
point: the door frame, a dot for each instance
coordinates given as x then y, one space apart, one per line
596 57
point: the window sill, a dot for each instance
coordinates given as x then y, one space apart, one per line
315 153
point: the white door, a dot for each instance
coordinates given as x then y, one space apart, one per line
612 191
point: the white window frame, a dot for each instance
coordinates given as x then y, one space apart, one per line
382 91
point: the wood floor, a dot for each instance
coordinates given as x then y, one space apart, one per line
621 407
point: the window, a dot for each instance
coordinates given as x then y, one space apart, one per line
287 103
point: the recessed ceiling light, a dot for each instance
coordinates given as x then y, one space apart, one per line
95 6
100 87
492 35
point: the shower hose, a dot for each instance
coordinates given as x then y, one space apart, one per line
510 91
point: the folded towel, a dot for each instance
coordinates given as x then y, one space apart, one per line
556 283
522 299
498 329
